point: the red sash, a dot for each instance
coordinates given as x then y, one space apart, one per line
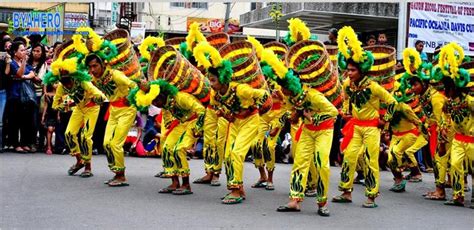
329 124
413 131
433 138
464 138
348 130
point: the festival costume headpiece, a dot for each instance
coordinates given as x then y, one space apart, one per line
351 48
67 67
215 61
276 70
451 57
298 32
105 49
148 45
141 100
194 37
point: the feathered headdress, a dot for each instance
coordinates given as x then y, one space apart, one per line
280 73
69 67
298 32
105 49
450 58
351 48
209 57
194 37
141 99
149 43
414 67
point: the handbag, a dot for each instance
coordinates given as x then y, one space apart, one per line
27 93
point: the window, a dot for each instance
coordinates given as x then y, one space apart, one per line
190 5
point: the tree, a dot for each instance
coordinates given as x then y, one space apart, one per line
275 14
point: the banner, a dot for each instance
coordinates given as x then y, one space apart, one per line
214 25
440 23
137 32
75 20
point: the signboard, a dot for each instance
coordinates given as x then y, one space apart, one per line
115 13
75 20
137 32
214 25
441 23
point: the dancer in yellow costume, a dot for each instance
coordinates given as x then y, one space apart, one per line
318 118
269 128
361 109
116 86
460 110
75 92
190 113
240 104
404 123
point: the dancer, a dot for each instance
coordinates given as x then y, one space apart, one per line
318 123
190 113
76 92
240 104
361 109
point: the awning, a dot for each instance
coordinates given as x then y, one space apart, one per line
320 17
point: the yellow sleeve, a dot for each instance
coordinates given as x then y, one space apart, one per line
121 79
188 102
58 98
346 101
386 97
167 118
96 95
324 110
410 114
247 93
438 102
470 103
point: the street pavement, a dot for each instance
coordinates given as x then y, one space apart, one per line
37 193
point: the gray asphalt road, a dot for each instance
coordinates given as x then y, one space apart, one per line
36 193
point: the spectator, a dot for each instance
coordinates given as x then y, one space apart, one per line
5 60
419 45
21 119
371 40
133 145
332 35
37 61
49 117
382 39
384 150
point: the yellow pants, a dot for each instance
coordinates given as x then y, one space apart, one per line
312 168
440 164
214 141
241 136
398 147
118 125
82 119
264 153
312 149
412 150
369 139
460 152
179 140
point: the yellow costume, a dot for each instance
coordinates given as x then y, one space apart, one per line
84 115
363 103
215 132
312 146
242 101
116 87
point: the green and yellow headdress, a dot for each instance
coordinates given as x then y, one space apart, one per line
451 57
141 99
194 37
277 71
68 67
209 57
351 48
298 32
105 49
149 43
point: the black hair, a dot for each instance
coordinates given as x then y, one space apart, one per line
352 62
3 42
418 42
15 46
213 71
56 44
20 39
333 31
92 57
42 59
382 33
371 37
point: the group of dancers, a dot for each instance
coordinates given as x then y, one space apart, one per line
238 96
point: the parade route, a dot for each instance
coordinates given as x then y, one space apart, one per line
36 193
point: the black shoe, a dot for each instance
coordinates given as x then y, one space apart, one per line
323 211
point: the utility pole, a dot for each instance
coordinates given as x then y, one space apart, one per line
227 15
402 27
